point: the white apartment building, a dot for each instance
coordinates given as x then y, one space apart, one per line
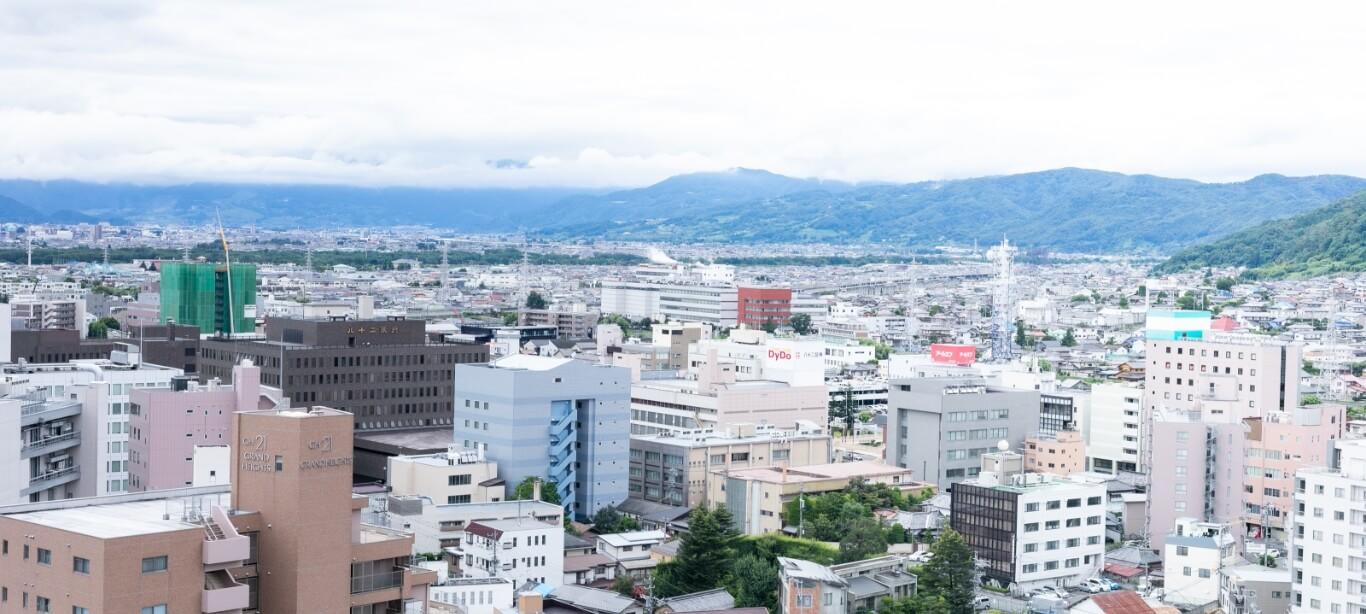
436 526
1113 429
102 386
631 545
839 356
458 475
1327 547
1193 554
1053 532
757 355
474 595
520 549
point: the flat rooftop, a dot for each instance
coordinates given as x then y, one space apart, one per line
407 442
123 515
815 473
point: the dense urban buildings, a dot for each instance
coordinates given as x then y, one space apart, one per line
247 547
1327 547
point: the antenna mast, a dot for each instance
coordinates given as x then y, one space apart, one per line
1002 305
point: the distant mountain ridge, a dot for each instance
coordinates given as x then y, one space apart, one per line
1327 240
1066 209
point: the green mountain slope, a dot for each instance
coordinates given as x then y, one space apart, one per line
1328 240
1065 209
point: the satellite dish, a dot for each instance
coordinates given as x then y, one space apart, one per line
1003 445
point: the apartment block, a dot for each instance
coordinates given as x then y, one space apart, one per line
1327 536
1114 430
940 427
48 451
1240 374
519 549
286 537
456 476
103 388
1194 553
436 526
1031 529
557 419
166 425
571 323
389 374
846 588
677 468
1061 454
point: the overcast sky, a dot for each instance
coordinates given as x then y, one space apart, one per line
626 93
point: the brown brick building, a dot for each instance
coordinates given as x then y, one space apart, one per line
388 373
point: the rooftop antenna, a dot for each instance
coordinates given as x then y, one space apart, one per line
106 256
445 269
1003 256
308 257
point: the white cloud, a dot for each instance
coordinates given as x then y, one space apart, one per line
624 93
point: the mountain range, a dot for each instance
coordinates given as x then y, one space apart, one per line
1066 209
1327 240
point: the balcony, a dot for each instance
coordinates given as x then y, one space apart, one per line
39 412
223 545
222 593
48 445
414 577
51 479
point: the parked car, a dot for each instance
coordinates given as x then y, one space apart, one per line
1096 585
982 602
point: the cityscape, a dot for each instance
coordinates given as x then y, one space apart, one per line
264 357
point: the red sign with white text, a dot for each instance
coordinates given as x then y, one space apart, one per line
953 353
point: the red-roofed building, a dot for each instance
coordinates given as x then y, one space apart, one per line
1118 602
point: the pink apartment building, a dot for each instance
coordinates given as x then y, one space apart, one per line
168 424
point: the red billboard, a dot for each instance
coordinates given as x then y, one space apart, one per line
953 353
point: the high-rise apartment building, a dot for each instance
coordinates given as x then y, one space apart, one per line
557 419
389 374
209 296
1115 431
1327 545
940 427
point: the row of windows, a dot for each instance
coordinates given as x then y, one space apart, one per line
1032 527
1058 503
1074 542
1052 565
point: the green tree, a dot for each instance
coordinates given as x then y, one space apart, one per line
534 300
1225 283
624 586
510 319
949 574
1311 399
705 552
801 323
527 487
1068 340
769 326
753 581
1187 301
1123 302
609 520
936 310
97 330
1020 339
921 603
862 539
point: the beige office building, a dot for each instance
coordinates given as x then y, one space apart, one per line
677 469
457 475
755 497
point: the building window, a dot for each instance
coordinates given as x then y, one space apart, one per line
454 499
80 565
44 604
458 480
153 564
44 556
279 463
155 609
75 609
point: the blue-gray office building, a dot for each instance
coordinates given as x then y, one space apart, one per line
562 420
